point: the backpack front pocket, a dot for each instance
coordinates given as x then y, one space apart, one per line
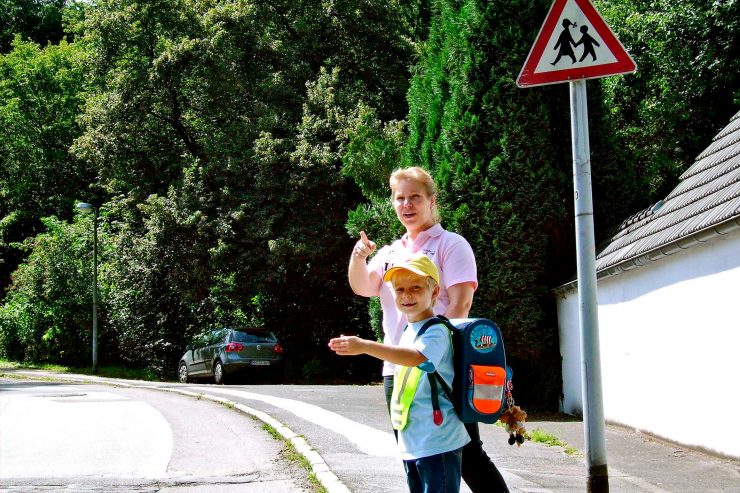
486 386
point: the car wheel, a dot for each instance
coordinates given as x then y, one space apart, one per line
182 373
218 373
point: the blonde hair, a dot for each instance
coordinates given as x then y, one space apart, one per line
401 274
420 176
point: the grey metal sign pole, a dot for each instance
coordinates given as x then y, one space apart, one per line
95 293
593 407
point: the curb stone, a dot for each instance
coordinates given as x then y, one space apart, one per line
319 467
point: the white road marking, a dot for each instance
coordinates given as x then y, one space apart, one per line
369 440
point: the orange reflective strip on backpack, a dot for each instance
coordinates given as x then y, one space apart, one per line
487 384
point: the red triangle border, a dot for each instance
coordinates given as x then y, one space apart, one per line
624 63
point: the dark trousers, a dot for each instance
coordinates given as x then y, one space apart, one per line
478 470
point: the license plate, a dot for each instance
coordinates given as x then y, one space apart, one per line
260 363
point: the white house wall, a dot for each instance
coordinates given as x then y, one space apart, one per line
670 346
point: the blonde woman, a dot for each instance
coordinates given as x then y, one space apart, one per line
414 199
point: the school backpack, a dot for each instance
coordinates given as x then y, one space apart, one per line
481 389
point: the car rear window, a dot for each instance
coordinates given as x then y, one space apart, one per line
254 336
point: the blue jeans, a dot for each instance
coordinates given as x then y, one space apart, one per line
435 474
478 471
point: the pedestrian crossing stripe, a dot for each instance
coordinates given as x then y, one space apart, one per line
574 43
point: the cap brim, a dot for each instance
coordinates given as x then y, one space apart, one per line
389 273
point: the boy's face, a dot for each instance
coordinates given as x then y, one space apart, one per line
414 296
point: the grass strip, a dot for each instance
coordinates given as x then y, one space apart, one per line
540 436
103 371
292 455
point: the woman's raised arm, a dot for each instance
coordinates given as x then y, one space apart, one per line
362 281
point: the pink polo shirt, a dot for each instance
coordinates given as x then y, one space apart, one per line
452 255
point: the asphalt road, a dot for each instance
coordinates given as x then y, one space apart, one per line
347 439
349 426
77 437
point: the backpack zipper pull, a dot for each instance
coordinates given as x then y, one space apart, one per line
438 419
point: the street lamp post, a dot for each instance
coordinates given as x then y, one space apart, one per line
86 208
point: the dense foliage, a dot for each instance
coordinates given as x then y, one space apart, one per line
48 312
230 146
41 96
687 80
39 21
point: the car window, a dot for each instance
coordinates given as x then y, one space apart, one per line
254 336
201 340
220 337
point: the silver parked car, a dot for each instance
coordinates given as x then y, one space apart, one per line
225 352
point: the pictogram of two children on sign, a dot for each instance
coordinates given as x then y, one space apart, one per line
566 43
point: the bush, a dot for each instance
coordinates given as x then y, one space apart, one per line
46 315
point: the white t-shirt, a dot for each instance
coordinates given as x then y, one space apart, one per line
421 437
452 255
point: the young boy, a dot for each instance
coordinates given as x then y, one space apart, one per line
430 446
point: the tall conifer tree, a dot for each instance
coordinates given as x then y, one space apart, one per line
500 157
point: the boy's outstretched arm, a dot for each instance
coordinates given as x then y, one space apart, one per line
352 346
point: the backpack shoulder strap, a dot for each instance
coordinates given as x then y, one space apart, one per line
436 376
437 319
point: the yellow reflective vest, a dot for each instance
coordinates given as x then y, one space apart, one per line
405 382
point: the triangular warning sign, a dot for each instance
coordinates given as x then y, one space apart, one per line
574 43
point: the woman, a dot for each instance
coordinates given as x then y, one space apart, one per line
414 200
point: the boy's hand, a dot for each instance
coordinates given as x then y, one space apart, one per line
364 247
346 345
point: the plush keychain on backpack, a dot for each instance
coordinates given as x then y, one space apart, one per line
514 418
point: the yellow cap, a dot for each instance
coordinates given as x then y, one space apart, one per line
419 265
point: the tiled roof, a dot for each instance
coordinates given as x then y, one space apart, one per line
706 202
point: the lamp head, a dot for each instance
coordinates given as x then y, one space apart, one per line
85 207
